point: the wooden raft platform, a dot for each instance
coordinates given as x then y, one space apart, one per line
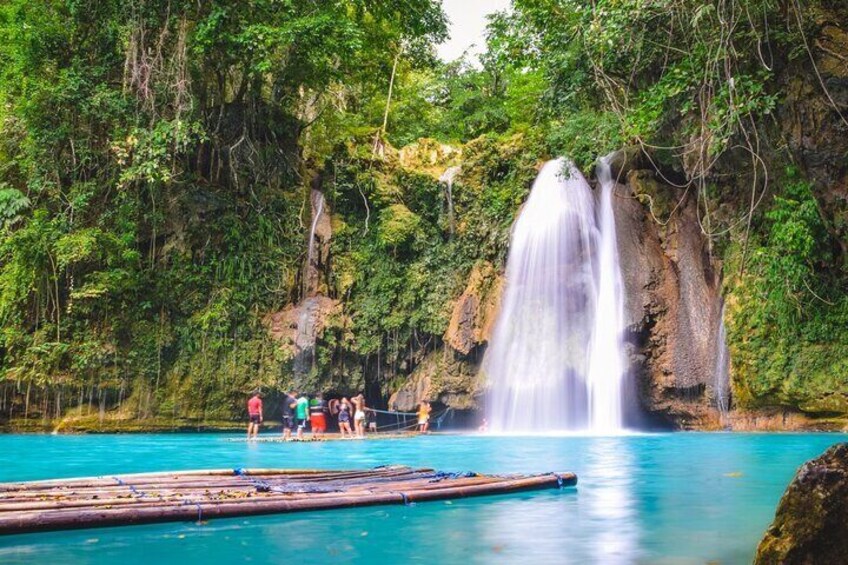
329 436
199 495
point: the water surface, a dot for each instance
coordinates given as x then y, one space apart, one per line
665 498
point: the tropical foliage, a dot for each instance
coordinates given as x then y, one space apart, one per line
156 158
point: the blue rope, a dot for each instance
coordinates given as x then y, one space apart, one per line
199 508
442 475
442 417
142 494
135 491
287 487
261 486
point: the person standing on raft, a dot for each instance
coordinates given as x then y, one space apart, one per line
317 417
344 418
423 416
302 414
289 404
359 415
254 413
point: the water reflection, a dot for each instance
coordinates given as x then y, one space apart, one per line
611 505
597 522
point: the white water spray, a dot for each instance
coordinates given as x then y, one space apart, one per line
555 361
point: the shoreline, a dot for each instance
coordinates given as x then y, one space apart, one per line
765 420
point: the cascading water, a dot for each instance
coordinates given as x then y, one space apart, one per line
555 360
722 369
317 201
304 336
606 365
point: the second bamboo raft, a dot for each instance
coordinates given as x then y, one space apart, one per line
198 495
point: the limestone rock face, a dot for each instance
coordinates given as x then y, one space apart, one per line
475 311
442 377
672 300
811 522
451 376
298 326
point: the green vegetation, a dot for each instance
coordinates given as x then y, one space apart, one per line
156 159
399 272
790 311
151 187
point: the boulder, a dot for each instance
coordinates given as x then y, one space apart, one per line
811 523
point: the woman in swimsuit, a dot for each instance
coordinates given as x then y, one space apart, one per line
344 418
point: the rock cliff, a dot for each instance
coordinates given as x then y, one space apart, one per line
672 298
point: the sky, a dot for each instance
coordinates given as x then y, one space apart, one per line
467 26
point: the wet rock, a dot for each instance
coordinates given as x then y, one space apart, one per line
443 377
625 160
298 326
673 299
316 267
475 312
811 522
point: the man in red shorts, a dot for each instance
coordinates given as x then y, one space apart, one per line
254 413
317 416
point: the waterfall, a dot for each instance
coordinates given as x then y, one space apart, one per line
722 369
309 306
311 268
317 200
555 360
447 179
606 365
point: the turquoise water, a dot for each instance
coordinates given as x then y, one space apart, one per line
665 498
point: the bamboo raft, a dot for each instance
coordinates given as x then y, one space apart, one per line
199 495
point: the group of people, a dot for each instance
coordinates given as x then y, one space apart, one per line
362 416
300 412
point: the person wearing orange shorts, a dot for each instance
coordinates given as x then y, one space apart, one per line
318 416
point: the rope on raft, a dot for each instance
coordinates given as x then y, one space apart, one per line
300 487
439 476
287 487
143 494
